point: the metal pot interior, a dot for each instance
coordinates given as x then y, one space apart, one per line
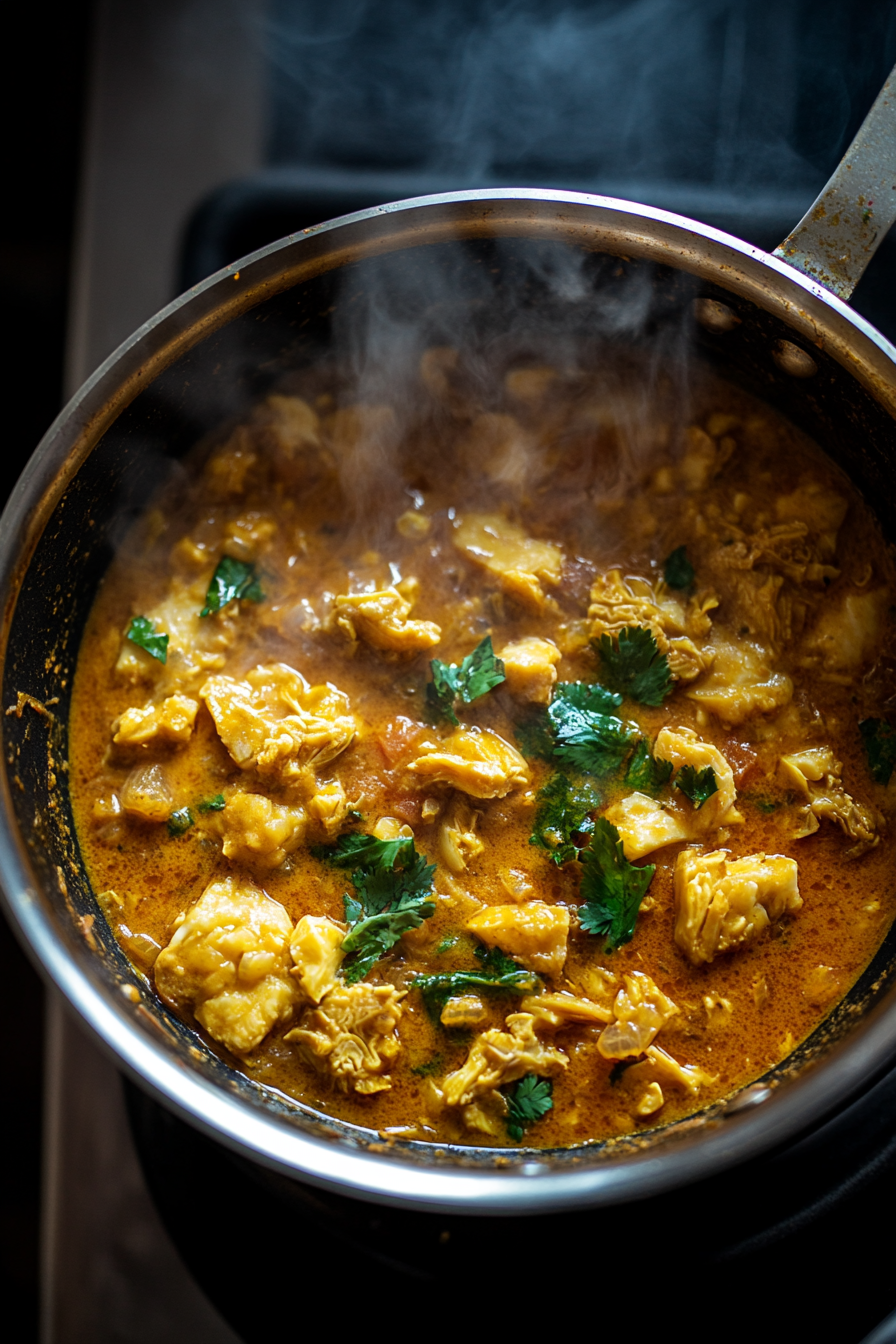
217 379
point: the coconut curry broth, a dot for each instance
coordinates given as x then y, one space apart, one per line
206 791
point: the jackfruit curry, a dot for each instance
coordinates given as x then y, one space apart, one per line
516 770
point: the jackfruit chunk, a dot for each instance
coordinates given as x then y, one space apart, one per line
722 904
499 1057
275 722
641 1009
196 645
329 806
256 830
660 1067
352 1035
533 933
741 683
682 746
520 562
645 825
168 724
381 620
816 776
316 949
476 761
561 1010
458 841
617 603
530 668
229 962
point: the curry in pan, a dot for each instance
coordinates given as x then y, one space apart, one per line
515 771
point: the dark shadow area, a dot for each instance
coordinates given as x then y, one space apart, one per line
42 114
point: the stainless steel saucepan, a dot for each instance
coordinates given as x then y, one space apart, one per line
778 324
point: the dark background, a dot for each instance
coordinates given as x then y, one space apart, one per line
752 100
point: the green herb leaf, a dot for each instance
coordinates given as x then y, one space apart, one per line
634 666
564 811
142 632
215 804
180 821
678 570
528 1100
429 1068
535 737
479 672
586 732
612 887
393 886
879 739
496 974
698 785
232 580
647 773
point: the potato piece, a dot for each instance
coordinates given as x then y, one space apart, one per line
476 761
722 904
229 962
533 933
257 831
169 724
530 668
381 620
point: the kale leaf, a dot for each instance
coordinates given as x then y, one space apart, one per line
678 570
496 974
564 810
633 665
142 632
180 821
612 887
479 672
527 1101
216 804
879 740
698 785
646 773
232 580
393 893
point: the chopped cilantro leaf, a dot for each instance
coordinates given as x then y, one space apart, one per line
647 773
633 665
678 570
527 1101
479 672
495 974
534 736
232 580
142 632
612 887
215 804
393 893
698 785
429 1068
586 733
564 811
180 821
879 739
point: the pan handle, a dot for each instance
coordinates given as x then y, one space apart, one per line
841 231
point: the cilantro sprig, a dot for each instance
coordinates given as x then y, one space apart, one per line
580 729
232 580
647 773
496 974
633 666
143 633
612 887
216 804
697 785
451 684
678 570
565 810
528 1101
393 893
879 741
180 821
